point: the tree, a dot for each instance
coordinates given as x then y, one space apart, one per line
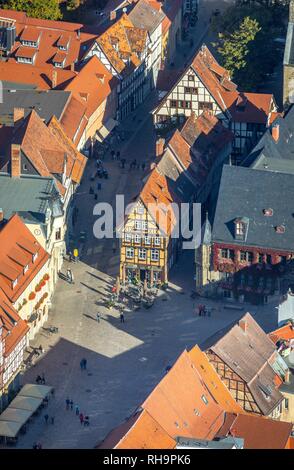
45 9
234 47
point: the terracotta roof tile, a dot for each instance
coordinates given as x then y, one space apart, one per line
16 236
13 327
258 432
26 52
96 81
284 333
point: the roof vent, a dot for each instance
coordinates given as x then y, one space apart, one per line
280 229
268 212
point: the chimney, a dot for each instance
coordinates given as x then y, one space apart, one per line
287 376
18 114
112 15
15 161
54 78
159 147
276 132
243 325
84 96
1 215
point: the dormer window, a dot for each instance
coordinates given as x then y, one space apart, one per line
268 212
25 269
35 256
63 43
280 229
14 283
241 228
59 60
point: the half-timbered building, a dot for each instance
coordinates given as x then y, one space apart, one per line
247 362
124 49
205 85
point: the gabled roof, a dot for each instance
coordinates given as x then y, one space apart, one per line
182 404
237 198
18 246
251 355
239 106
121 43
145 16
140 431
14 328
96 82
258 432
216 387
42 77
49 33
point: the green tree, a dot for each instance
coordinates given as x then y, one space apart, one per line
234 47
45 9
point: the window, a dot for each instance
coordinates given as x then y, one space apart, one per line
137 238
140 210
144 225
227 254
260 257
204 399
58 234
130 252
205 105
25 268
283 259
58 64
173 103
268 259
184 104
142 253
157 241
240 229
192 90
147 240
35 256
138 225
191 78
14 283
128 237
286 403
154 255
246 256
227 294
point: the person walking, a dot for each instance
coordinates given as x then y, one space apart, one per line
67 402
82 364
86 421
52 419
46 417
122 317
77 410
68 275
112 154
98 317
118 155
71 404
81 416
43 379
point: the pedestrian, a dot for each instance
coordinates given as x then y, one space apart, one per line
123 162
122 318
72 277
118 155
96 197
46 417
52 393
98 317
84 361
77 410
99 186
112 154
143 166
68 275
81 416
204 310
67 402
52 419
86 421
71 404
39 445
35 445
38 379
43 379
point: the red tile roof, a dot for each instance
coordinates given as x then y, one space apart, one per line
258 432
42 77
285 333
94 80
182 405
49 32
141 431
14 329
26 52
18 246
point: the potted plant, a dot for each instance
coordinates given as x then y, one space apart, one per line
46 277
32 296
46 295
38 288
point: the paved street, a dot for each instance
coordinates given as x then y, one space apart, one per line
125 361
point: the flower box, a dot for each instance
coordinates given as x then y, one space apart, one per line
32 296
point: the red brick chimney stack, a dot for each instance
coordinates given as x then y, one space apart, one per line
243 325
276 132
159 147
15 161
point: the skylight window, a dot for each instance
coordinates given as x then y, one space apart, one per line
204 399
